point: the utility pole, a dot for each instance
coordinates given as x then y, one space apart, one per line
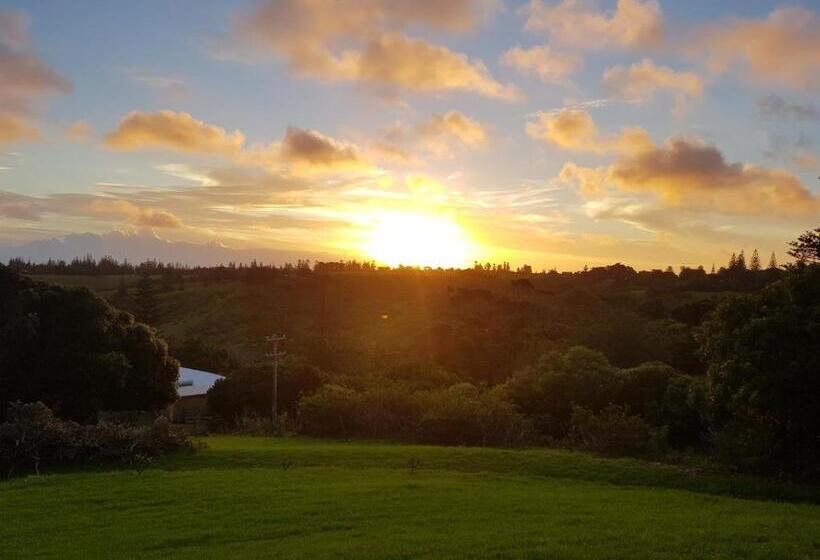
275 355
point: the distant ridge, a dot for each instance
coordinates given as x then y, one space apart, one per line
141 246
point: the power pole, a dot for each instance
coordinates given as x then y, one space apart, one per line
275 355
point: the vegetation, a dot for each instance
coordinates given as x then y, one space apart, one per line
34 439
77 354
295 498
651 364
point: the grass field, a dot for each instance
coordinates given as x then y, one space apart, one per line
236 499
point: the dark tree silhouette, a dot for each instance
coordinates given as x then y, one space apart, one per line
773 262
806 248
74 352
754 263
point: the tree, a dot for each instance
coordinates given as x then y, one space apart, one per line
773 262
77 354
146 299
764 372
740 264
754 264
806 248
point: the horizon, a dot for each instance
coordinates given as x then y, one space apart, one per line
557 134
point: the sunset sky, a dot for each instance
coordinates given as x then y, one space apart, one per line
554 133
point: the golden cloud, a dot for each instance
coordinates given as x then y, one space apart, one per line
307 151
574 129
693 175
783 49
175 131
455 125
130 211
640 81
78 131
25 80
437 136
360 40
576 23
550 66
301 152
16 129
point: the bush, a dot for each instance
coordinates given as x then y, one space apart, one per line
614 431
33 438
330 411
463 415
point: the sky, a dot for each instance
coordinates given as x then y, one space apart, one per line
557 133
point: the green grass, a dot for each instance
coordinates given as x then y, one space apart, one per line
360 500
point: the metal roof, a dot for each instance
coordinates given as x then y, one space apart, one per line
193 382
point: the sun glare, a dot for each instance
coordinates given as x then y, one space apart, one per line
399 238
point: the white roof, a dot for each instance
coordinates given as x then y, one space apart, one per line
194 382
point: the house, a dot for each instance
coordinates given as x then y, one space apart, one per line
192 387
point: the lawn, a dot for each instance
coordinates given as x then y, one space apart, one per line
237 499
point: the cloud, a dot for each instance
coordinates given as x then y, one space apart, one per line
16 129
19 207
783 49
309 150
550 66
362 41
574 129
79 131
26 79
102 207
693 175
641 81
775 107
577 23
176 131
300 152
454 125
438 136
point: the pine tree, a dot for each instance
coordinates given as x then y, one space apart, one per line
754 264
773 262
713 268
146 300
732 262
741 262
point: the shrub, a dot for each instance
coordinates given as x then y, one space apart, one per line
330 411
463 415
33 438
614 431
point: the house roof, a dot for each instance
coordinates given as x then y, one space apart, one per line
193 382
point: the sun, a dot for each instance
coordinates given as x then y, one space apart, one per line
415 239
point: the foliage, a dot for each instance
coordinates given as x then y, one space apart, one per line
33 439
76 353
806 248
248 390
614 431
764 371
